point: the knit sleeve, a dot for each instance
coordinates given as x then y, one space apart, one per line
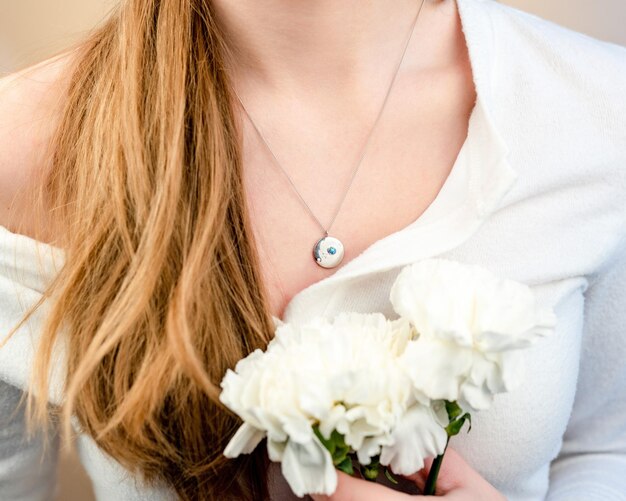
27 469
591 464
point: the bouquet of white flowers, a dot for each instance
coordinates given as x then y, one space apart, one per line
366 392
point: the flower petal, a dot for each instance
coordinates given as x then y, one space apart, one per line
275 450
308 468
436 367
417 436
244 441
475 397
371 447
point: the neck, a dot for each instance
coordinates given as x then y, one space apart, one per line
296 42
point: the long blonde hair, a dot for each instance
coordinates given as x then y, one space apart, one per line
160 291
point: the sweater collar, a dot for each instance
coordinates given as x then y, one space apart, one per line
489 177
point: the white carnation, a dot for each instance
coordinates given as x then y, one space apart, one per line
471 325
382 383
342 375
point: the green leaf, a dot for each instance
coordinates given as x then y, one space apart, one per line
390 476
338 439
340 454
455 426
329 443
453 409
346 466
335 444
469 419
370 472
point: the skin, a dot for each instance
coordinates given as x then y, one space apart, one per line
457 481
313 75
29 101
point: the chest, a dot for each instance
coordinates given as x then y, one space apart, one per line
326 180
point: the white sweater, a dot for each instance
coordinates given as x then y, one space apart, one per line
537 194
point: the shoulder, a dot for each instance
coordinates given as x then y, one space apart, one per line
553 84
31 102
577 59
564 86
560 105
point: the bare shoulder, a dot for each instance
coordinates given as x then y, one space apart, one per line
31 101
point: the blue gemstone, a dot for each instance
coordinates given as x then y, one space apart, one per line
332 250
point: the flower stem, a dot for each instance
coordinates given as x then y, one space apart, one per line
431 482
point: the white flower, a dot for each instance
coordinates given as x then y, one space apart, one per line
382 384
341 375
471 325
418 435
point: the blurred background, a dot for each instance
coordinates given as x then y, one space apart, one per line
32 29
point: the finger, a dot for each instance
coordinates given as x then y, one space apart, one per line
453 473
356 489
466 477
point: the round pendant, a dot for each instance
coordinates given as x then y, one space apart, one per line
328 252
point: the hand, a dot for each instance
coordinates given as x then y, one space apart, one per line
457 481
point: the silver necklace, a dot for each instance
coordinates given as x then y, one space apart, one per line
328 251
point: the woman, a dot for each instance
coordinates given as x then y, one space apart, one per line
171 228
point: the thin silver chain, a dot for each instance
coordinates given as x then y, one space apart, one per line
367 140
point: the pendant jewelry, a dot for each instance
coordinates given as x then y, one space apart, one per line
328 252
